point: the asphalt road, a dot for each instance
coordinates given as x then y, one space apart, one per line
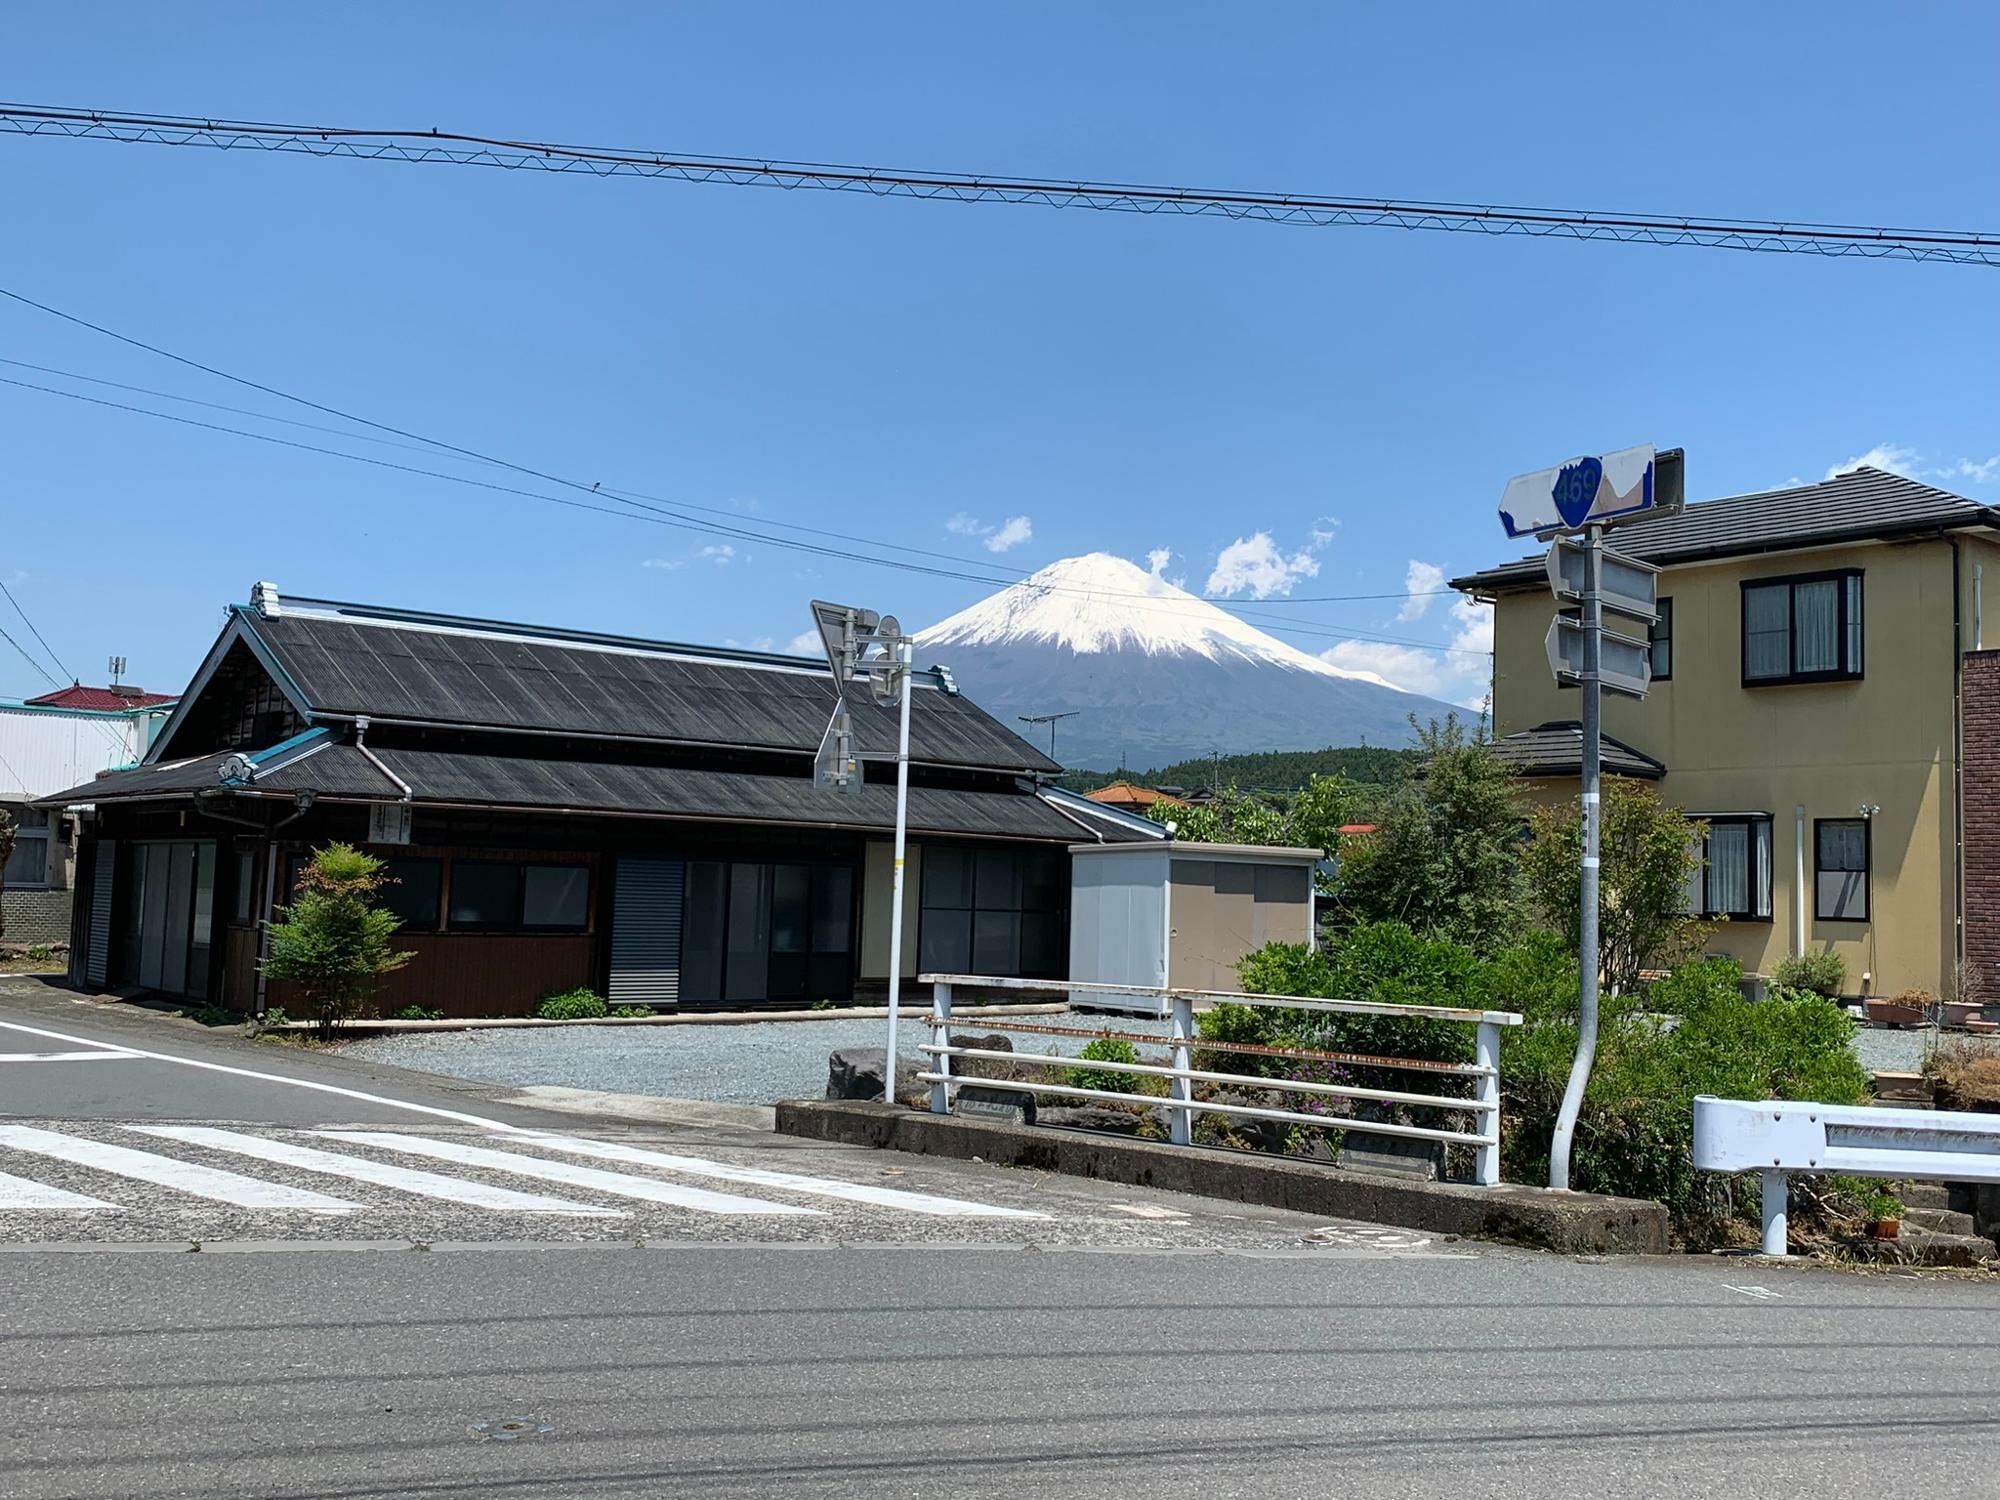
396 1274
829 1371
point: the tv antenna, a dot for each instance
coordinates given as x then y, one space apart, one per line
1050 720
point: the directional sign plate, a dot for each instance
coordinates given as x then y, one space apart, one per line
1589 491
1625 664
1624 583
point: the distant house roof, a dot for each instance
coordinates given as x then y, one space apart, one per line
102 700
1359 828
1125 794
1556 749
1862 505
339 661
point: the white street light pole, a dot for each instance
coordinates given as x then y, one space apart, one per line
904 651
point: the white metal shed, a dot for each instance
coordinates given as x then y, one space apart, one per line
1181 915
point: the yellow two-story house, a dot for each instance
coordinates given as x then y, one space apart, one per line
1822 700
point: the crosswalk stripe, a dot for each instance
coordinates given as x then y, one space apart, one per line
19 1192
853 1192
380 1174
168 1172
616 1183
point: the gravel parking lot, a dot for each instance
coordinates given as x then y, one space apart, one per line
737 1064
756 1064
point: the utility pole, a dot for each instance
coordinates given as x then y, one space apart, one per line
1587 916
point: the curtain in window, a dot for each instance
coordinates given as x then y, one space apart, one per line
1767 631
1816 625
1761 891
1729 868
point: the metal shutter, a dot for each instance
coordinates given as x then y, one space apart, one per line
646 932
97 960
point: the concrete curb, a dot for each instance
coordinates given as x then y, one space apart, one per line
645 1109
1572 1222
913 1014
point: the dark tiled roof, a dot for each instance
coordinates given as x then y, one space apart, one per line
99 699
1858 506
1556 749
515 782
492 676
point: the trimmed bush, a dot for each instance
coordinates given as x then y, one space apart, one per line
579 1004
1822 973
1107 1049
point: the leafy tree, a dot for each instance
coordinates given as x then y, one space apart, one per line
1647 851
1311 821
1444 860
1265 770
332 942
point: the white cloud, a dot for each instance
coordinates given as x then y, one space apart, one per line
1157 560
719 553
1983 471
763 643
1894 457
1406 667
1422 580
1254 565
1474 622
1011 533
670 564
805 643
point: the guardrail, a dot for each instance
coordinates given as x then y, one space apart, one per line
1177 1006
1777 1137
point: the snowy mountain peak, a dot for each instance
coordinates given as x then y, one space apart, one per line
1100 603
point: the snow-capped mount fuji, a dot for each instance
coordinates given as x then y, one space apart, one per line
1153 673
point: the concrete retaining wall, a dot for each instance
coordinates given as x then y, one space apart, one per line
1575 1222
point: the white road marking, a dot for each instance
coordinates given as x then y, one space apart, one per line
66 1057
296 1083
19 1192
821 1187
615 1183
380 1174
168 1172
1755 1293
1148 1211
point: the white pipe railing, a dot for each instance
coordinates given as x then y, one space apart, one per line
1177 1006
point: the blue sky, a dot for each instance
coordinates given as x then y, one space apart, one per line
1283 411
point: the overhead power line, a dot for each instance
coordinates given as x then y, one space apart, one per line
653 514
455 148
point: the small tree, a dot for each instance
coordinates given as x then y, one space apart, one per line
1443 861
1312 821
1647 851
332 942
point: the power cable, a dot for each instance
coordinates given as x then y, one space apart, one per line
1319 210
33 631
659 517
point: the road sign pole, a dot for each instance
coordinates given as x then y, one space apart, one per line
1586 1033
904 653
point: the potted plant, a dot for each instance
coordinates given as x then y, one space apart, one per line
1884 1213
1906 1009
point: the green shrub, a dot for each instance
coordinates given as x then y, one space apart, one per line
212 1015
1106 1049
1634 1137
1693 985
579 1004
1537 978
1822 973
633 1012
416 1013
275 1018
1236 1023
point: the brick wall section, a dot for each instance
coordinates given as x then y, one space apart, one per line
34 916
1982 815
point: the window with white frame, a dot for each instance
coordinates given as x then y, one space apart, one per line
1734 877
28 866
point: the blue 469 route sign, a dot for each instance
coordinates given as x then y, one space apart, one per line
1585 492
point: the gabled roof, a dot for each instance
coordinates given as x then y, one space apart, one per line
1556 749
1126 794
339 661
103 700
1862 505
